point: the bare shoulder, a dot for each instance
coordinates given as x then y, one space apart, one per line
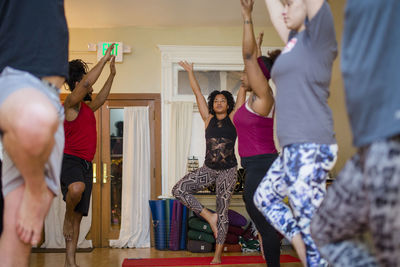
207 121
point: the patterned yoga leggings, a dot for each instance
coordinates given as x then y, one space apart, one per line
300 173
358 223
225 181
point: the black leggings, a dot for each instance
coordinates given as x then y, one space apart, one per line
256 168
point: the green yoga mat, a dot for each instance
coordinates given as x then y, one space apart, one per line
168 217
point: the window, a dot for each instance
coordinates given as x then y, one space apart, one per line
210 81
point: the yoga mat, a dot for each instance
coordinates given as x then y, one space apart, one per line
157 208
168 213
197 261
182 243
179 214
174 234
178 221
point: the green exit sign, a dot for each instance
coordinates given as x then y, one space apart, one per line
117 51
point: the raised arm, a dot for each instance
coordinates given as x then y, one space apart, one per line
257 81
201 101
85 85
241 98
105 91
259 41
275 10
312 7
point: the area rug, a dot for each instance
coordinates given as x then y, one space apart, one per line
196 261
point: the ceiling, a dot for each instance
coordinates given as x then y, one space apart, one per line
160 13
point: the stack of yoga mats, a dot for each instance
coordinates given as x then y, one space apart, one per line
169 223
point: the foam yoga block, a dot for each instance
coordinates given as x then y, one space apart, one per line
196 235
199 246
158 211
200 225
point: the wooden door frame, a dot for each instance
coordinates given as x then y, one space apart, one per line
155 183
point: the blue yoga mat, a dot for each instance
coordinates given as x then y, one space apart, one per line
182 243
171 206
158 213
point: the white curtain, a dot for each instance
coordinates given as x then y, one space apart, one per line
54 222
135 213
179 141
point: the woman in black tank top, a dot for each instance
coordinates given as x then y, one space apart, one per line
220 165
220 144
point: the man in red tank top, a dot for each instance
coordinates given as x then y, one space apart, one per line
80 144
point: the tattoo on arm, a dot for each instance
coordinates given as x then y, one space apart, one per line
248 22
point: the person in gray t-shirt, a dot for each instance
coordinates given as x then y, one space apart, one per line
358 224
302 75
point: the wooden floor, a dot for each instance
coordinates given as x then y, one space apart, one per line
109 257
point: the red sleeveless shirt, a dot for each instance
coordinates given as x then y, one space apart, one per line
81 134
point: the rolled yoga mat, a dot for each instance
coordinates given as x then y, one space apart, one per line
168 216
158 211
174 238
179 212
182 243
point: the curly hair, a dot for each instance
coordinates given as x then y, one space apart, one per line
270 59
226 94
77 69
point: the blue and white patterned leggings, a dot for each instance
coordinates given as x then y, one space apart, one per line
299 173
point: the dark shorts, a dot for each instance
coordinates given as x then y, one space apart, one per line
75 169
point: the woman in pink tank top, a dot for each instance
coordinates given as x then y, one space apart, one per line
254 122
